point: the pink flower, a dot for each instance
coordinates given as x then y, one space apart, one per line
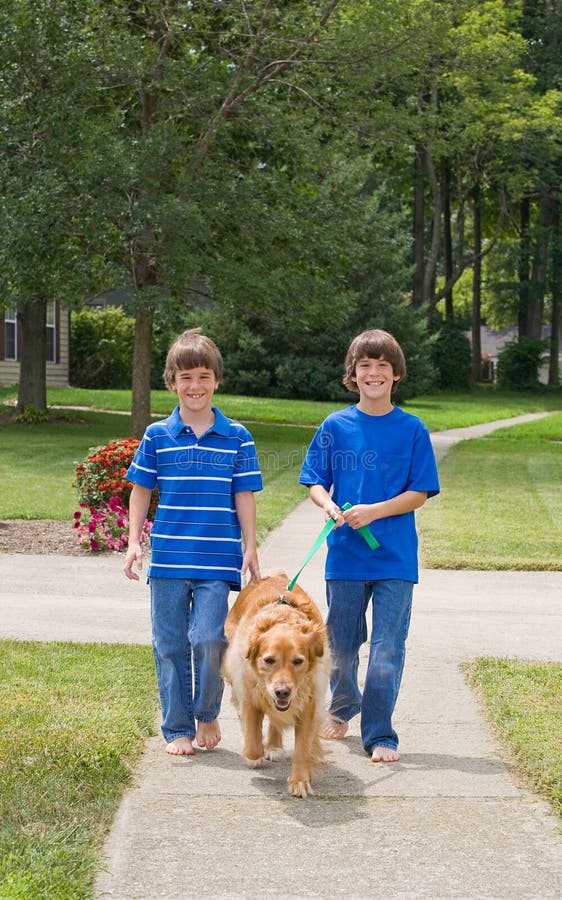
107 526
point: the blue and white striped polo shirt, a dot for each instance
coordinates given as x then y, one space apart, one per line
196 532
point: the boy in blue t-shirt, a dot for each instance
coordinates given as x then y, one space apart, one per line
206 470
379 459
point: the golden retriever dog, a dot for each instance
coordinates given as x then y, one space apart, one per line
277 663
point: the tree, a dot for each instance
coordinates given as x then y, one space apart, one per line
43 97
177 79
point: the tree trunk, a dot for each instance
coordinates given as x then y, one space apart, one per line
32 319
556 311
524 269
144 277
476 289
433 255
142 356
447 238
419 227
538 274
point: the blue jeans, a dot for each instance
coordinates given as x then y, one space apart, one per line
188 642
347 629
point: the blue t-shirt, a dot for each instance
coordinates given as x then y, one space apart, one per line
196 533
367 459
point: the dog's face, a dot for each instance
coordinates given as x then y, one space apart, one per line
283 654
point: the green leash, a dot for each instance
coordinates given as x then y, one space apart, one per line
364 532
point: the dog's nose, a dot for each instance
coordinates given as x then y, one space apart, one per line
282 692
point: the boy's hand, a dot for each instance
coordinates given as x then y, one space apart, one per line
332 511
359 516
133 557
251 565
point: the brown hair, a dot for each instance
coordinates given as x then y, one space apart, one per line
373 344
189 350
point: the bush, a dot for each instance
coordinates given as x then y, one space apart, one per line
307 378
104 491
101 343
518 364
102 475
451 357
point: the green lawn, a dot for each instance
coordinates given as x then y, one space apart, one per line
73 721
501 502
38 462
500 505
439 412
523 703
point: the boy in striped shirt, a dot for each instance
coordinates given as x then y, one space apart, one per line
206 470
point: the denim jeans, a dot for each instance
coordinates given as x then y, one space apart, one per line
347 629
188 642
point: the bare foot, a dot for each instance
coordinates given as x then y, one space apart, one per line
208 734
384 754
180 746
334 730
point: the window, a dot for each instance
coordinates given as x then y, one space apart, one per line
10 334
51 332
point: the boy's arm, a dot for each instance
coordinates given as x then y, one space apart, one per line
365 513
245 503
139 502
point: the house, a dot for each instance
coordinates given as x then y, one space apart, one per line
493 342
58 345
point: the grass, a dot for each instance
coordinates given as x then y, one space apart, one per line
73 720
439 412
523 703
38 462
501 502
75 716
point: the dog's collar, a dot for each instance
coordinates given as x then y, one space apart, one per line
282 599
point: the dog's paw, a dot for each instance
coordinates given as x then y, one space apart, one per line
275 754
256 763
299 788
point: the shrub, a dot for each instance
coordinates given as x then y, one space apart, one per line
518 364
451 357
101 348
309 378
102 475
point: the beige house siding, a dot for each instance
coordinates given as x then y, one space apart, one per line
56 373
9 373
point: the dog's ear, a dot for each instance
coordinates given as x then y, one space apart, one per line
263 624
317 641
253 645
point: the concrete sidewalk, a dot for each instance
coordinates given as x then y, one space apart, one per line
450 820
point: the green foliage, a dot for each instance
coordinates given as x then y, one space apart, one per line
32 416
518 364
101 348
451 357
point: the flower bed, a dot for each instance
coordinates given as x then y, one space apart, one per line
104 491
